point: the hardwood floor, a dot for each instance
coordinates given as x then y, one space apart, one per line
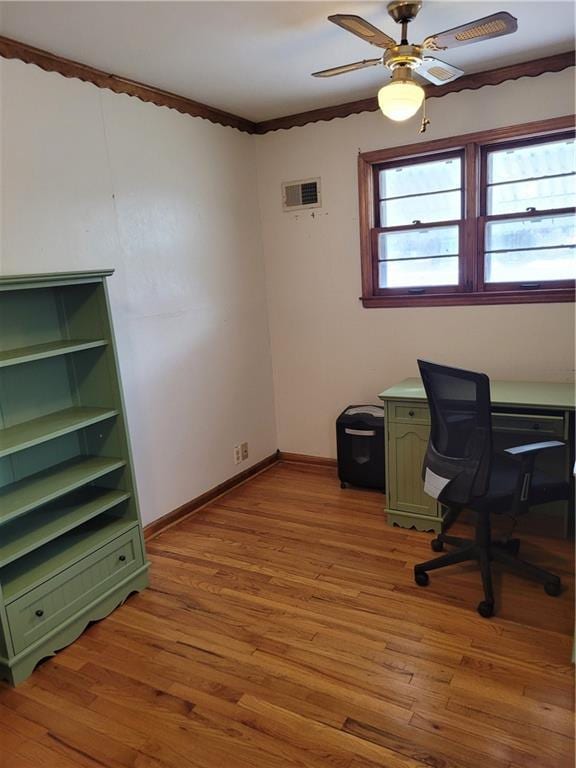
283 629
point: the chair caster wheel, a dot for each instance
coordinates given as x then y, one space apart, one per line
437 545
486 609
343 486
553 588
513 546
421 578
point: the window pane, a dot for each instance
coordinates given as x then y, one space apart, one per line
541 194
418 272
420 178
525 266
444 206
530 233
414 243
533 160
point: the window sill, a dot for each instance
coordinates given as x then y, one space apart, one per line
541 296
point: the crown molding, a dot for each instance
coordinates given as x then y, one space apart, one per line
50 62
469 82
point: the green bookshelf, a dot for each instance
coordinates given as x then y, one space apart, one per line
71 543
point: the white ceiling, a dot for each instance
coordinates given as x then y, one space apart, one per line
254 58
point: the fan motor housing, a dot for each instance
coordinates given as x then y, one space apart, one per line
403 56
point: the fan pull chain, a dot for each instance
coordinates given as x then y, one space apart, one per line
425 122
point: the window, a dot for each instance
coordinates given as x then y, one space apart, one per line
483 218
418 235
529 196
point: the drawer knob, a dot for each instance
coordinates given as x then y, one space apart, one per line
122 558
39 613
410 413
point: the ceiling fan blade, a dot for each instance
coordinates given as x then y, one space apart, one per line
497 24
347 68
438 72
359 26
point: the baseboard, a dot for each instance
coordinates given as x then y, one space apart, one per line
302 458
167 521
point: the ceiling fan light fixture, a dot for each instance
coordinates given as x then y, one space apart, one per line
400 99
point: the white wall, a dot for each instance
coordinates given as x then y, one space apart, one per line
327 350
93 179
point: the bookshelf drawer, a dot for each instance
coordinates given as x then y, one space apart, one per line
49 605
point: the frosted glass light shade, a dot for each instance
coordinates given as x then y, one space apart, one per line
400 99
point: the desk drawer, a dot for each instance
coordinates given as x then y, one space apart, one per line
409 413
47 606
541 426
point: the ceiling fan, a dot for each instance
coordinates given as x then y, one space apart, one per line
402 97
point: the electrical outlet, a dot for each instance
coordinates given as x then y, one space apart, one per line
237 454
244 451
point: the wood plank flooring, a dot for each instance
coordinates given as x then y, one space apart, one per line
283 630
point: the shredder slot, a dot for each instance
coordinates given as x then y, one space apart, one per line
360 432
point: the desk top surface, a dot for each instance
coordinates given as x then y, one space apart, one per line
542 394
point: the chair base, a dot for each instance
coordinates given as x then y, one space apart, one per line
485 551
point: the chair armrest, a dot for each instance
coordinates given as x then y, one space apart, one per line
532 448
526 454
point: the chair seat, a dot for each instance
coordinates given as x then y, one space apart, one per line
502 487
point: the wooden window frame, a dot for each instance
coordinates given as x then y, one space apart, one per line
471 289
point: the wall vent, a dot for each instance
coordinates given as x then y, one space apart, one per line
297 195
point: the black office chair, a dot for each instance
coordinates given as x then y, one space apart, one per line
462 471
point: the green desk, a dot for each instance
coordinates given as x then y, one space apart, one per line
523 412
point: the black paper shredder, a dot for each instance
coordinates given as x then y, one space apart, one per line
360 445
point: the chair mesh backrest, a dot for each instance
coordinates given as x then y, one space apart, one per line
460 445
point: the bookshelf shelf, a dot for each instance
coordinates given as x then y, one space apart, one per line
47 523
48 349
31 492
36 431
